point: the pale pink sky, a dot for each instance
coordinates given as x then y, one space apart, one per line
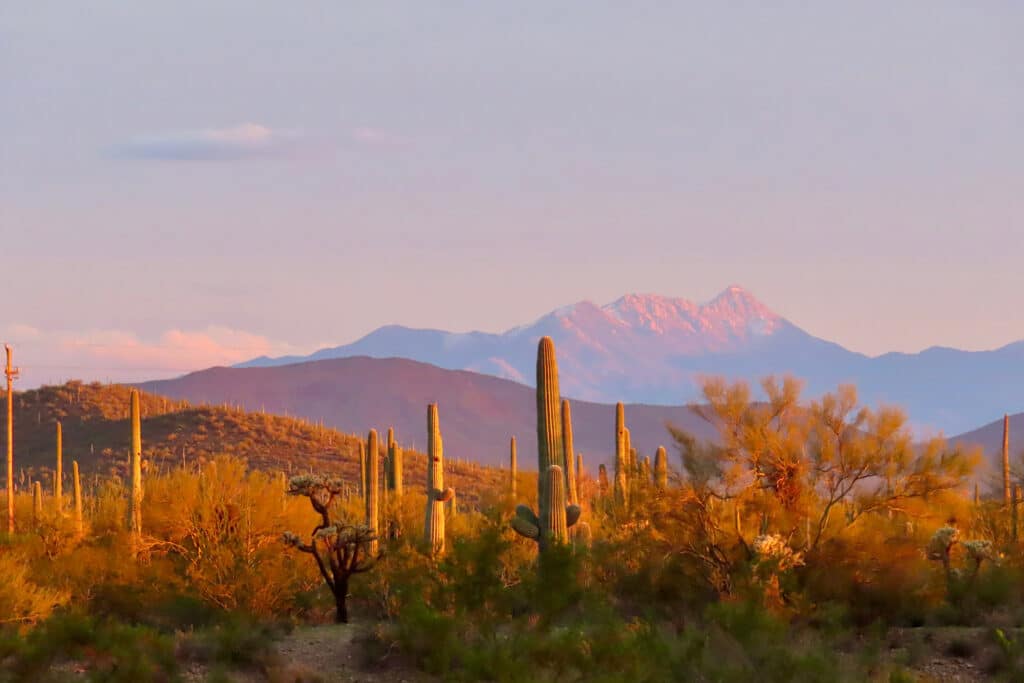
188 184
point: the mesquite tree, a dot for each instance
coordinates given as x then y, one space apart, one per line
339 548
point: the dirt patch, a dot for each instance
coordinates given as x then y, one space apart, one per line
332 653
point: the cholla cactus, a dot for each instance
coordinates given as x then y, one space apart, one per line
940 546
340 549
771 550
979 551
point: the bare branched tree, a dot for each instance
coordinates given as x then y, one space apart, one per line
340 549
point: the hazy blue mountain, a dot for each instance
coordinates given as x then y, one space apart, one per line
653 349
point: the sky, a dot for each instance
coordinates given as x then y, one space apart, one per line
186 183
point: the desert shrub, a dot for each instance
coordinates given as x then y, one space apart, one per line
553 621
236 642
874 578
108 650
225 525
22 600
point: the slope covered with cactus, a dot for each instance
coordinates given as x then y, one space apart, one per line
97 433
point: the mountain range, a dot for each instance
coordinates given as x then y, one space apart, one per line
478 412
653 350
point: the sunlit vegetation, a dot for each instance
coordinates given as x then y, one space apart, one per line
813 540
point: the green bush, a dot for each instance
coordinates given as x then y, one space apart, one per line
109 651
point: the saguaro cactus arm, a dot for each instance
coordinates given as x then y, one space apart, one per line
569 465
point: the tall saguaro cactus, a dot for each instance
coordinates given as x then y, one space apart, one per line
437 494
1014 513
135 506
37 502
371 486
660 469
77 488
570 453
362 470
555 514
386 473
550 446
579 471
514 477
621 457
395 474
58 476
1006 460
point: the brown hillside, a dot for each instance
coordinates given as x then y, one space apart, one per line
990 439
478 413
94 418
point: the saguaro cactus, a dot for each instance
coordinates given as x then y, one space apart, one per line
621 457
551 527
135 507
602 480
77 488
555 514
395 474
1006 459
660 469
371 486
37 502
514 477
550 447
58 476
362 470
1015 514
570 453
437 495
386 471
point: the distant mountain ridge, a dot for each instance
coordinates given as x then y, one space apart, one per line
653 349
478 413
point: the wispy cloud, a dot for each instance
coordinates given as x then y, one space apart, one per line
47 356
377 136
244 141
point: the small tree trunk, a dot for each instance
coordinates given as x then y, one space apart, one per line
341 608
